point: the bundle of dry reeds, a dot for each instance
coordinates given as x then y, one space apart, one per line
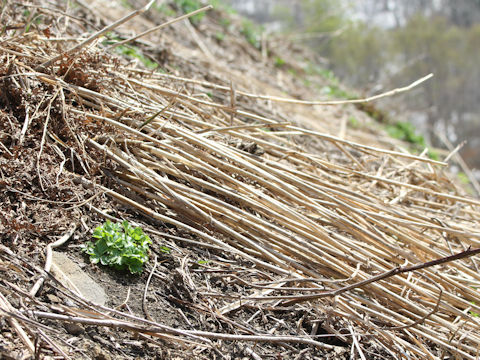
322 214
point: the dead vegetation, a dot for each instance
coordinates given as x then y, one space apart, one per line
286 242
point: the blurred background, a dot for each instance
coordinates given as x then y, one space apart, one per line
376 45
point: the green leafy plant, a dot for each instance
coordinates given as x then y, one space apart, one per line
433 155
164 9
133 52
120 246
251 32
219 36
335 91
38 19
279 62
407 132
353 122
292 72
333 87
126 4
225 22
463 178
129 51
187 6
222 5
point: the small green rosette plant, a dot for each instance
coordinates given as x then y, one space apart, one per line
120 246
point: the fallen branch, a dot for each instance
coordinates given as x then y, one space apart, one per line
342 102
395 271
114 323
292 299
152 330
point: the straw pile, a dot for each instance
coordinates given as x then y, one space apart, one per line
310 215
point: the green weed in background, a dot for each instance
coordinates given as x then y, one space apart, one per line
133 52
187 6
219 36
405 131
225 22
129 51
164 9
126 4
432 154
399 130
333 89
120 246
335 92
292 72
251 32
37 20
463 178
279 62
219 4
353 122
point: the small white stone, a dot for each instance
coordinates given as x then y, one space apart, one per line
74 278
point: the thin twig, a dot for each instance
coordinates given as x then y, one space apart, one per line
342 102
48 261
422 319
170 22
94 36
144 299
355 343
332 293
7 308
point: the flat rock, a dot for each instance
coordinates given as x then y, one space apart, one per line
74 278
